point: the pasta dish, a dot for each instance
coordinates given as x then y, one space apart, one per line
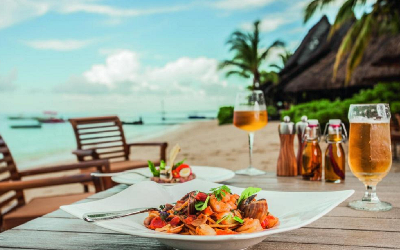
218 212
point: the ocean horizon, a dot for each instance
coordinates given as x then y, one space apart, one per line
53 143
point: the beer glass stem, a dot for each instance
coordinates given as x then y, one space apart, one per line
370 194
251 141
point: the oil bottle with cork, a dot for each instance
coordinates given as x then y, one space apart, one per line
335 159
312 155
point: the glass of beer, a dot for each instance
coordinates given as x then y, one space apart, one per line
370 156
250 114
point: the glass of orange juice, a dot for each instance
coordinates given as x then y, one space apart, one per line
370 155
250 115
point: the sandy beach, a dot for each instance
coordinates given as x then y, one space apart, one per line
207 144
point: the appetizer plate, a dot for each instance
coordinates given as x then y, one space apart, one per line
294 210
213 174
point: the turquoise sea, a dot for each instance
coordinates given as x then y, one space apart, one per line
53 143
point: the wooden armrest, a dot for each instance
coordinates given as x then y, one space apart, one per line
99 164
85 152
140 144
162 145
26 184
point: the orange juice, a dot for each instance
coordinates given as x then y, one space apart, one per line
250 120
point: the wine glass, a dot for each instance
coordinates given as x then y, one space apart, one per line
250 114
370 156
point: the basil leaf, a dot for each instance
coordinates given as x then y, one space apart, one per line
178 164
238 219
154 171
200 206
247 193
224 218
218 192
162 165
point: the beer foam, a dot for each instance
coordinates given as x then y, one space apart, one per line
368 120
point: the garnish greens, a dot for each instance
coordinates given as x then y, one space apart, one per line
162 165
162 207
154 171
236 218
201 205
178 164
247 193
218 191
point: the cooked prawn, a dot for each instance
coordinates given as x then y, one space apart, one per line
249 226
169 229
205 229
220 206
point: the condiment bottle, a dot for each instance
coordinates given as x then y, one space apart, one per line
287 165
312 155
300 128
335 161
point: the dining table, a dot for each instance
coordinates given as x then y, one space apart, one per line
341 228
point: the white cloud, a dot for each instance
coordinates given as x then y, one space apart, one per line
7 82
267 24
116 12
240 4
119 67
16 11
59 45
122 73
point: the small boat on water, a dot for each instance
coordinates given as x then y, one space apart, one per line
196 117
50 120
139 122
26 126
50 117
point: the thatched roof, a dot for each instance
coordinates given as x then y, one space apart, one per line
381 62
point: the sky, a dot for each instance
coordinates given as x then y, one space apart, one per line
116 56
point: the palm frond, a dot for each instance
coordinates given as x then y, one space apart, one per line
276 66
226 63
313 6
359 47
237 72
276 44
346 13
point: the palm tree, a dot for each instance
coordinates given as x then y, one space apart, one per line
384 18
284 58
248 55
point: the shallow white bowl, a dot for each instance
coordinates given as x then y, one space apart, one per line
294 210
213 174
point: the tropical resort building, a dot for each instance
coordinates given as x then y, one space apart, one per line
308 74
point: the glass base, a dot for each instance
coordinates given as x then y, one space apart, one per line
370 206
250 171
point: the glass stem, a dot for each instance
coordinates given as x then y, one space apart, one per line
251 141
370 194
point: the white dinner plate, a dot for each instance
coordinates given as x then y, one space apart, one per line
213 174
294 210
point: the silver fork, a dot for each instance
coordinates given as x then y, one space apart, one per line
92 217
119 173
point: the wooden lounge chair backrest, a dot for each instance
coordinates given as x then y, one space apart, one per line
9 200
103 135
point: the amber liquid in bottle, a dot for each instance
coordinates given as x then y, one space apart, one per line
312 161
335 161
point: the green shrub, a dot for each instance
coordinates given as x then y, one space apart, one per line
225 115
395 107
323 110
272 111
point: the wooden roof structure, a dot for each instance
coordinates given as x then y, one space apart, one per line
311 66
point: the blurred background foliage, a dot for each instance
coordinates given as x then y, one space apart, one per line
323 110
